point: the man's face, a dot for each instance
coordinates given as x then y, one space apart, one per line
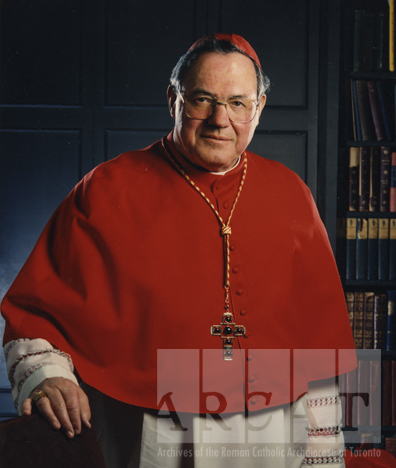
215 143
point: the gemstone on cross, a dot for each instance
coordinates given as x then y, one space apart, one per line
228 331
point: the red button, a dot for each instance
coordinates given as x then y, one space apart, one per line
226 205
240 292
232 247
251 379
235 270
219 187
249 358
253 401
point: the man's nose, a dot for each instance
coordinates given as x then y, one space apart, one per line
219 117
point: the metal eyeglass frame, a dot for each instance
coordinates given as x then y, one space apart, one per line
217 103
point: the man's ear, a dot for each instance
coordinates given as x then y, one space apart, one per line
172 96
262 102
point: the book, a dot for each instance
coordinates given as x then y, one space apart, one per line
383 249
390 445
376 112
372 249
363 407
361 249
364 178
368 321
341 245
375 393
392 188
392 249
351 403
358 34
391 35
391 325
375 168
355 114
342 385
386 393
385 168
358 320
351 249
354 179
385 101
364 110
368 40
380 320
381 42
350 302
393 397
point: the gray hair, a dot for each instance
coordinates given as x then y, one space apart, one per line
221 47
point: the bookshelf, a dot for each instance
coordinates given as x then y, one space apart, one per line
366 213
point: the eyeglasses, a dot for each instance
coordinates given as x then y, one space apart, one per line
202 107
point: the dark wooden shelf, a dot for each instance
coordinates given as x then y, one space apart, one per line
357 144
370 214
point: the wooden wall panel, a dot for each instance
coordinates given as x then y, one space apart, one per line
287 148
141 47
119 141
34 53
37 170
278 31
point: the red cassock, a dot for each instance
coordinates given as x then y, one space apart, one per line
128 277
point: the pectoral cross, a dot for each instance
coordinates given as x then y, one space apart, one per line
228 331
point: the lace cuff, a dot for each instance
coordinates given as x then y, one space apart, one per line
29 362
325 438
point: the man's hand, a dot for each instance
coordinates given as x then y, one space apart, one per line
64 405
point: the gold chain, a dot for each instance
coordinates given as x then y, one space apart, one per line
225 227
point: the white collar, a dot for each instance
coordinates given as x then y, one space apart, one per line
228 170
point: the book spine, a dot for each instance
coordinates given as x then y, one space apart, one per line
361 249
375 393
365 115
351 249
384 100
390 445
358 322
383 249
392 249
364 178
379 126
341 246
358 40
385 178
368 40
350 302
393 403
342 385
391 325
392 189
386 393
356 118
351 386
391 35
363 411
381 48
380 320
354 179
372 254
375 163
368 321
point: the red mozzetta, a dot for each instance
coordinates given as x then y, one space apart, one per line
132 263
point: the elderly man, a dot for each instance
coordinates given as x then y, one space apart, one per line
192 287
